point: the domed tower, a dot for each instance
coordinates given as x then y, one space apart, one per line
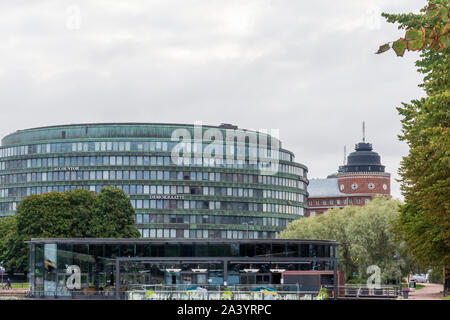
363 173
363 159
357 181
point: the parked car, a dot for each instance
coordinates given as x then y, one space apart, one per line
420 278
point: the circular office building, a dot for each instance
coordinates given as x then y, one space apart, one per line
184 181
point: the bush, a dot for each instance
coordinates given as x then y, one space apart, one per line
435 276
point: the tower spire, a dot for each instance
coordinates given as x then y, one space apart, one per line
345 154
364 131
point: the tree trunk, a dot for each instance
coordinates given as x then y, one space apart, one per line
446 280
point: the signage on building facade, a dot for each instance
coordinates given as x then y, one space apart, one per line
67 168
166 197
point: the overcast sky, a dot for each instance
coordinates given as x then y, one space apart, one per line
307 68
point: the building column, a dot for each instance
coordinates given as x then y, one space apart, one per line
225 273
335 278
117 279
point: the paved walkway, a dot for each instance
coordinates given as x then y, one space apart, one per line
431 291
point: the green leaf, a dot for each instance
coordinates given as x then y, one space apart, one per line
383 48
443 13
415 40
430 35
431 7
432 10
412 34
444 41
399 47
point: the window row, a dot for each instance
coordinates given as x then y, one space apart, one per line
247 193
77 161
216 205
332 202
205 234
92 175
175 190
144 146
210 219
174 204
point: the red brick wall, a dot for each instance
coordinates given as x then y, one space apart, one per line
362 181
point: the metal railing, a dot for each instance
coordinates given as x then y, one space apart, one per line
359 291
171 288
277 287
197 292
215 292
219 295
82 295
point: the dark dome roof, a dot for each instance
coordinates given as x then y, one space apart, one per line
363 159
332 175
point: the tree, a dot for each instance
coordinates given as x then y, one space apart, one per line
7 229
38 216
364 234
424 222
374 243
113 215
75 213
82 203
332 226
46 216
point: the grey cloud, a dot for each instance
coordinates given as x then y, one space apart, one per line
295 65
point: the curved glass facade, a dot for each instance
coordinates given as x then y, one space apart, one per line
184 181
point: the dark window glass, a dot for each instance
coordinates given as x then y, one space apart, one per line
142 250
172 250
157 250
64 256
201 250
247 250
186 250
278 250
262 249
234 249
127 250
314 251
216 250
293 250
112 251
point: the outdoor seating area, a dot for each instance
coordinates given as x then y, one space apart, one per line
159 292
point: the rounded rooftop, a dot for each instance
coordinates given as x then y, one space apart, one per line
86 131
363 159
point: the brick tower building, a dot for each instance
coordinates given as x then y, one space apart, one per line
355 183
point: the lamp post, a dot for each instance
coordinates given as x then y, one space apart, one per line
397 257
247 223
2 270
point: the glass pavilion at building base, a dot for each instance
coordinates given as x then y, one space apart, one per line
112 267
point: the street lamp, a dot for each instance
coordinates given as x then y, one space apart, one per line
2 270
397 257
247 223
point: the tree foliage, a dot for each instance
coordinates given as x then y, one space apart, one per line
364 234
424 222
7 229
112 216
75 213
429 30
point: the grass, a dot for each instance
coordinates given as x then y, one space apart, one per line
445 298
22 285
419 286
